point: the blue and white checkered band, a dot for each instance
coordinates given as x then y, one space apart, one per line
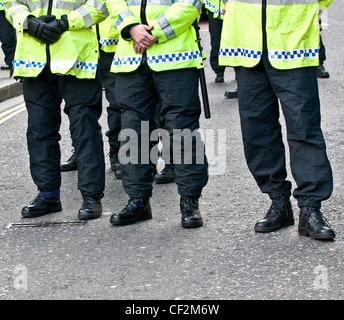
28 64
240 52
85 66
174 57
2 4
293 54
117 61
108 42
208 4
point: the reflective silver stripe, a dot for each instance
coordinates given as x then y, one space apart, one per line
121 17
63 5
174 57
165 26
97 5
247 1
56 65
17 10
73 64
86 16
196 3
150 2
277 2
290 2
15 3
293 54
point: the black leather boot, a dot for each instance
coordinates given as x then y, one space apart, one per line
91 208
220 77
41 206
137 209
70 164
115 164
191 216
166 175
312 224
321 72
231 94
280 214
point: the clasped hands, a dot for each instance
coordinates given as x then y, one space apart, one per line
47 28
142 37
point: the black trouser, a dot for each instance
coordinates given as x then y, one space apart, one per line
322 52
215 29
113 111
260 89
83 105
138 94
7 38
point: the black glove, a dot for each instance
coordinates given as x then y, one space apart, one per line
63 22
40 29
59 25
47 28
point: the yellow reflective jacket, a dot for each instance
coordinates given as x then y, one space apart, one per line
176 47
292 32
2 5
75 53
108 35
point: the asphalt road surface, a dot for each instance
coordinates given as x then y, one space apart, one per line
57 257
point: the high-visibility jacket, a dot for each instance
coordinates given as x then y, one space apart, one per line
75 53
292 32
172 20
108 35
215 6
2 5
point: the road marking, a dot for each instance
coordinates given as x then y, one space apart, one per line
10 113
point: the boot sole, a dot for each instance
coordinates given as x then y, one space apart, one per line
193 224
89 216
162 181
117 222
287 223
306 233
41 213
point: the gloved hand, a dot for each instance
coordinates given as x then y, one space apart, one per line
59 25
40 29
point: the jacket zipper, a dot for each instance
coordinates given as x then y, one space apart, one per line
265 48
50 5
143 21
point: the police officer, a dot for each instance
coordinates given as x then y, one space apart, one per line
57 57
157 57
108 38
7 38
275 53
215 19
